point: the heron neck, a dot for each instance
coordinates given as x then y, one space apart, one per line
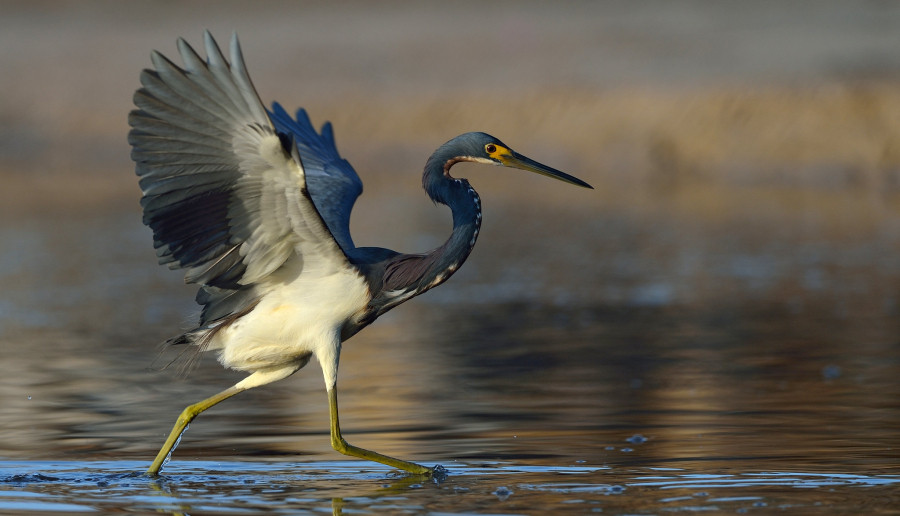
407 275
466 209
459 196
465 205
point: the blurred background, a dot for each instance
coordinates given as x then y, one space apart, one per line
738 253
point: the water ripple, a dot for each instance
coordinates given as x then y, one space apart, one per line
360 487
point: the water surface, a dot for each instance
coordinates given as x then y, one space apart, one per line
200 487
539 387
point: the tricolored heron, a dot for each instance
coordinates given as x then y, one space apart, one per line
255 206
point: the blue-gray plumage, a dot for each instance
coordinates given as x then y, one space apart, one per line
255 206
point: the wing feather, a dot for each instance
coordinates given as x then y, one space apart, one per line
224 193
333 184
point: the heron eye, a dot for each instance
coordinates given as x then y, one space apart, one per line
490 148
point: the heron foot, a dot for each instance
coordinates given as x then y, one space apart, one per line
342 446
181 424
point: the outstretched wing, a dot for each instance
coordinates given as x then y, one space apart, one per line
332 182
225 193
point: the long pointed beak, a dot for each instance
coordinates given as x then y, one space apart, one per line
516 160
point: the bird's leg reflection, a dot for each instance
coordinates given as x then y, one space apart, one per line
187 415
339 444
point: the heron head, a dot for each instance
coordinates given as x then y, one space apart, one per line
484 148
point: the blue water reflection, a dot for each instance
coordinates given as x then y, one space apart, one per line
358 487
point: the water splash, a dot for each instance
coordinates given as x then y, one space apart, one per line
174 446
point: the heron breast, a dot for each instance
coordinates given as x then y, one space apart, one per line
293 320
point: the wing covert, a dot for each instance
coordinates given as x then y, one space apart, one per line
332 182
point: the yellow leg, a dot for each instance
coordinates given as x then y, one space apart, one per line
187 415
339 444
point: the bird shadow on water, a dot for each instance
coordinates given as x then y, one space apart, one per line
355 487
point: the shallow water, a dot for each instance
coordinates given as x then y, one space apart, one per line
607 385
200 487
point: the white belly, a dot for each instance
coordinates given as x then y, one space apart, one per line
299 313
